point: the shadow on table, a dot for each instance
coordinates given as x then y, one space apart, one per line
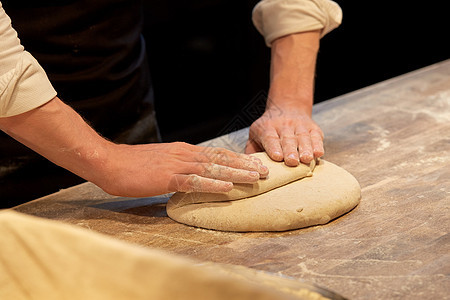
148 207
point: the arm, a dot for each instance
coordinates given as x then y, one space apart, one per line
292 28
57 132
32 114
286 129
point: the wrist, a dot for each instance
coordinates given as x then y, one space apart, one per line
292 72
289 102
92 161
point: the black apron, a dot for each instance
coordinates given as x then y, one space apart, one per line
95 56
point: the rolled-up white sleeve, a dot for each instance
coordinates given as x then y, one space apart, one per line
24 85
277 18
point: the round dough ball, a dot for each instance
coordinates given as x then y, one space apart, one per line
307 201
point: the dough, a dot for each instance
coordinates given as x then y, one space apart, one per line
279 175
287 199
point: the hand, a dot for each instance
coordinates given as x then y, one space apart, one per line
58 133
154 169
286 130
286 134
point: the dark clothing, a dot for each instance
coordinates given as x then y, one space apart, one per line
95 56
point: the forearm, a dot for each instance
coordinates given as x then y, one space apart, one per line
293 70
58 133
293 29
286 129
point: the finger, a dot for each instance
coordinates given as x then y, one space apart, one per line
196 183
252 147
317 143
219 172
232 159
270 141
289 144
304 147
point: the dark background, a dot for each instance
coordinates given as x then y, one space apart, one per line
210 66
208 61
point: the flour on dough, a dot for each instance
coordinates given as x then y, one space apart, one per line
279 175
290 198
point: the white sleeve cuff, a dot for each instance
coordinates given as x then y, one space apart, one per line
277 18
24 87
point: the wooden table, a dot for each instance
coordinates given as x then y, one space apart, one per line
394 137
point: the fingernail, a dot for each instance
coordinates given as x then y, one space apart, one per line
292 156
306 154
263 171
278 154
228 187
306 157
254 174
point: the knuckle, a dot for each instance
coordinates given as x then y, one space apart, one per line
177 149
207 169
270 137
181 144
222 156
288 138
316 133
193 179
199 168
191 183
302 134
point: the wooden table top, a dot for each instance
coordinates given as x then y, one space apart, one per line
394 137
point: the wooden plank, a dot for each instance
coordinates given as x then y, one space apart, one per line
393 137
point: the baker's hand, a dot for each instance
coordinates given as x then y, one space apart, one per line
58 133
286 134
154 169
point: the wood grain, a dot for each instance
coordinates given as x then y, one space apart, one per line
394 137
